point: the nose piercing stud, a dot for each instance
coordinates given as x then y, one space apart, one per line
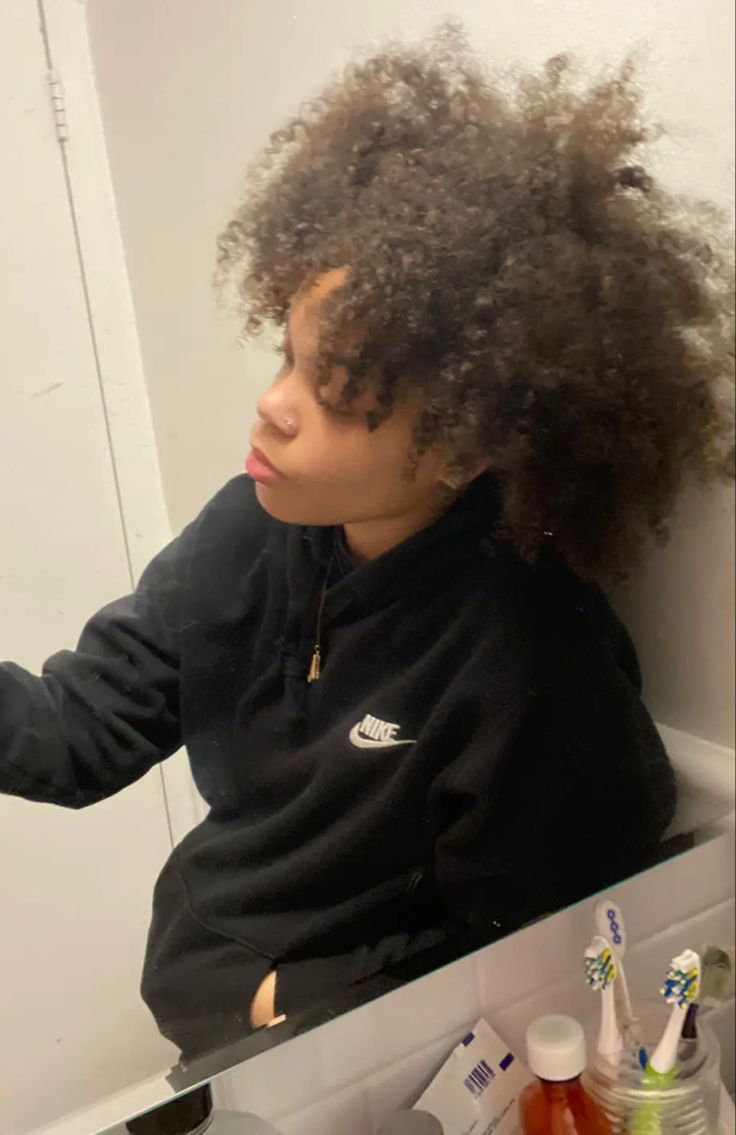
289 424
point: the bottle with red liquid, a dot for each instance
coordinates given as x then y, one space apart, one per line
558 1104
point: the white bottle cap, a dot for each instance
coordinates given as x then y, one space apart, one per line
556 1048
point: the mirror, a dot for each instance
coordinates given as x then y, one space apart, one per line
503 349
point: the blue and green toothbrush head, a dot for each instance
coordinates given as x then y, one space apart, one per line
681 989
601 971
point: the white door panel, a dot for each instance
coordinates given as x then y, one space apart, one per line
75 887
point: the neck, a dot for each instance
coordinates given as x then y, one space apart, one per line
368 539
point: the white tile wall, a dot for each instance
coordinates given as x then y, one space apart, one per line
344 1078
347 1110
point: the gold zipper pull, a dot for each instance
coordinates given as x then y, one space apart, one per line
315 665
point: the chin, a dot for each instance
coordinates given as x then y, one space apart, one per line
289 511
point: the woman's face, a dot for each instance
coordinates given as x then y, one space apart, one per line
329 469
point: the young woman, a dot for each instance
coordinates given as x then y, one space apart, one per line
406 701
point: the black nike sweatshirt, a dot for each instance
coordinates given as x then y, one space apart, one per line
474 754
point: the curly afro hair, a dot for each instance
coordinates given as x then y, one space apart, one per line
566 319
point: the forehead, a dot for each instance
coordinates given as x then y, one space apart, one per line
307 304
304 317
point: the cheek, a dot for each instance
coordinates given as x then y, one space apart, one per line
335 452
352 480
339 471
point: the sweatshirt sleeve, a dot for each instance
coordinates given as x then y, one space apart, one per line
100 716
578 800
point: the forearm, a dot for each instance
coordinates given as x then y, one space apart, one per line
98 717
58 746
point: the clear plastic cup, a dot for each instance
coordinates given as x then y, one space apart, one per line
690 1106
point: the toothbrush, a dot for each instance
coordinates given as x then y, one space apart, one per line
716 986
681 988
609 923
601 972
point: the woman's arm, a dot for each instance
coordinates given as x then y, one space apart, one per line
100 716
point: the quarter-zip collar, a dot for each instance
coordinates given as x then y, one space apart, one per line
420 561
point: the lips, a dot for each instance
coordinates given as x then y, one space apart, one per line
260 468
261 456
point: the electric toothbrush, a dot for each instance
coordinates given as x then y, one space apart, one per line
601 973
680 990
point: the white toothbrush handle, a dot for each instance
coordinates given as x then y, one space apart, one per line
664 1056
628 1010
610 1041
609 921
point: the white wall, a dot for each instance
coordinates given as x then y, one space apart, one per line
75 888
681 611
190 90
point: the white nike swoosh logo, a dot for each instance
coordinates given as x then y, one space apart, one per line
361 742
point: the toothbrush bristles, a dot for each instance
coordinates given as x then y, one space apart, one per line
600 969
680 985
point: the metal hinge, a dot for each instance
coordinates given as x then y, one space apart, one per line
58 106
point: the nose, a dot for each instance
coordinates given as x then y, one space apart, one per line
276 409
